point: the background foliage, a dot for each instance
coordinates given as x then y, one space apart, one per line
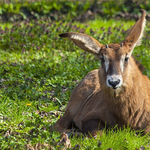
38 70
14 10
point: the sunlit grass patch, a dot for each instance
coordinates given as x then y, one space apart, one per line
113 139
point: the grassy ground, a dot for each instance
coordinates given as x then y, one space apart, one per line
38 72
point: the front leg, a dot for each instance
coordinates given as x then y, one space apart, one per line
92 126
147 130
63 123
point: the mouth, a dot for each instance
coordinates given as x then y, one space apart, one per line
115 88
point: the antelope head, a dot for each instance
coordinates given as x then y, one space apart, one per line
114 58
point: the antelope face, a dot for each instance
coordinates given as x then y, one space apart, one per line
114 61
114 57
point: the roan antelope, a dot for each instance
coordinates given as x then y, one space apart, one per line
115 94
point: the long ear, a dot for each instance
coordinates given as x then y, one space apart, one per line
83 41
135 35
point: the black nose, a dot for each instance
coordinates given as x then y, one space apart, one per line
114 83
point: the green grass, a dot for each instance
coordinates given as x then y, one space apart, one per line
125 139
99 23
38 72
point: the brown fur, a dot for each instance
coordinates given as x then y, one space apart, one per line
93 104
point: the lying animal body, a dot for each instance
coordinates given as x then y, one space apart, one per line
115 94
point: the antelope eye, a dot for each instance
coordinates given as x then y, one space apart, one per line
101 58
126 59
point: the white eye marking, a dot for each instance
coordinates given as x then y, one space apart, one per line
122 62
106 62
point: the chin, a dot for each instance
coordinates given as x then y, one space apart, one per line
115 91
